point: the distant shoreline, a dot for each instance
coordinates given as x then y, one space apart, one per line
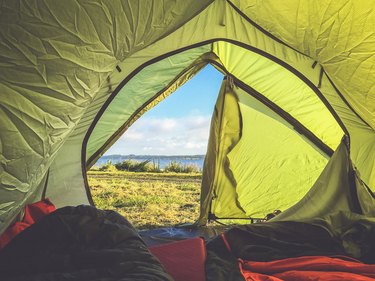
153 156
162 160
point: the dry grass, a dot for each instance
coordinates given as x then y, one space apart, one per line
148 200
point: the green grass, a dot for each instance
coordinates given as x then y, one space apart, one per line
148 200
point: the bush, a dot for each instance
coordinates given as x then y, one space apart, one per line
148 166
108 167
192 168
177 167
137 166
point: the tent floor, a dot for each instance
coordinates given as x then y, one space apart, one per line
164 235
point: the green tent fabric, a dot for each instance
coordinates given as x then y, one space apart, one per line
76 74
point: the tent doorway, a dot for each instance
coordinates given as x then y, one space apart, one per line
171 140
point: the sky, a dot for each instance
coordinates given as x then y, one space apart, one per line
179 125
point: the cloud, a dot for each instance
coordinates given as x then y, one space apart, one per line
169 136
131 135
166 125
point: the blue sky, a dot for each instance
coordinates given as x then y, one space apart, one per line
179 125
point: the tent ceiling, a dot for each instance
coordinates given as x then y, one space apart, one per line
340 35
58 67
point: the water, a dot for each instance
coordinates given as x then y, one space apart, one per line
161 161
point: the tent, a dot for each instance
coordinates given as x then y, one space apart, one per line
293 127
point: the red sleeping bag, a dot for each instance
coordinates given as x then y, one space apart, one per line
307 268
33 212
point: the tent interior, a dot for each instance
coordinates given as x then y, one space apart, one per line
293 125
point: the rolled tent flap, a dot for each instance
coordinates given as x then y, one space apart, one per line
218 195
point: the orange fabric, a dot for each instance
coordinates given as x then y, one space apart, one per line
317 268
226 242
184 260
253 276
33 212
321 276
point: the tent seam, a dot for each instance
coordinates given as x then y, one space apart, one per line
261 29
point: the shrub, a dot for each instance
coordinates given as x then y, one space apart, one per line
108 167
137 166
148 166
177 167
192 168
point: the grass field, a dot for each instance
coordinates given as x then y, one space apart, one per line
148 200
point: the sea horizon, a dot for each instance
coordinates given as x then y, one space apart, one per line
162 160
